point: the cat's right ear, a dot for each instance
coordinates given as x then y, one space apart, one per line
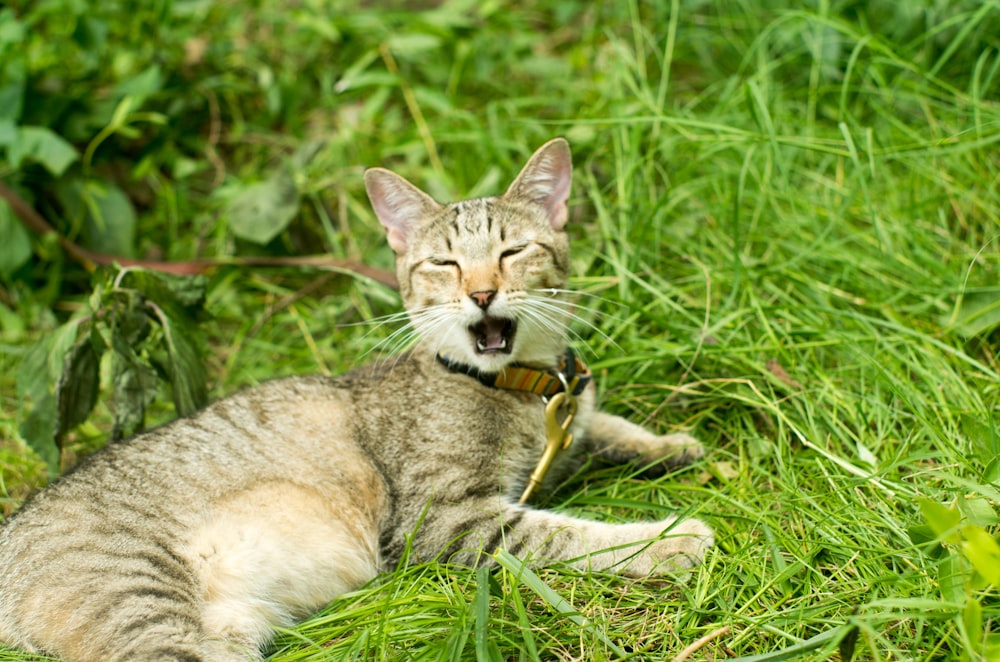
398 204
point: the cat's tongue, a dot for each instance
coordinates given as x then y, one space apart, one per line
493 334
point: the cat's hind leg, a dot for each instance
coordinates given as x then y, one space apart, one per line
618 441
276 553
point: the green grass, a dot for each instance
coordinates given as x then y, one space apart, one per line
789 219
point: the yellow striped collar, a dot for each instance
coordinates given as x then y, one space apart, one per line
572 375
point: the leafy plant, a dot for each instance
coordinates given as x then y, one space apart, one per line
968 570
146 323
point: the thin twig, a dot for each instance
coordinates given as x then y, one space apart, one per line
698 645
91 259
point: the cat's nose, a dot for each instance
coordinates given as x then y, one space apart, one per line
483 298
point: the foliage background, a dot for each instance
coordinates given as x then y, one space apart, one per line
787 215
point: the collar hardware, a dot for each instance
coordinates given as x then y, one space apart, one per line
557 438
572 376
558 390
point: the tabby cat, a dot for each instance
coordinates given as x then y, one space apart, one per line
191 541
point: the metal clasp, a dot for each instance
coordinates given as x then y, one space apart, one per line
557 435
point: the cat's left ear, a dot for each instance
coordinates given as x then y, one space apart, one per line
545 180
398 204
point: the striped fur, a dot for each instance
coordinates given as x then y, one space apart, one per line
192 541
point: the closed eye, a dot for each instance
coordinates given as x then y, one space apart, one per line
440 262
514 250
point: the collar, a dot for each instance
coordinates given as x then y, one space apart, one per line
572 375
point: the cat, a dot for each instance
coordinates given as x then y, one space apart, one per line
193 540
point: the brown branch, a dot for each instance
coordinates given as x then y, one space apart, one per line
91 259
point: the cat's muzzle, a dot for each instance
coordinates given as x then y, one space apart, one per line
493 335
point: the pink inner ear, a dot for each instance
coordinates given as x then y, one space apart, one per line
559 196
397 240
558 216
397 203
546 180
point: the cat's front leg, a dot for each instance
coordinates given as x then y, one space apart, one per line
637 549
615 440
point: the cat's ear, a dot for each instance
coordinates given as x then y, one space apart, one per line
545 180
398 205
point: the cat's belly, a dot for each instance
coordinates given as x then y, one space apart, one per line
277 552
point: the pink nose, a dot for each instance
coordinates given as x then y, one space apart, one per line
483 298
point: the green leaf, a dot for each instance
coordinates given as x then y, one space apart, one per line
15 240
260 212
977 312
982 432
37 376
178 293
111 223
944 521
175 302
972 621
8 132
983 551
134 385
952 574
12 101
103 212
187 373
991 647
12 31
848 644
991 474
141 86
78 385
36 143
978 511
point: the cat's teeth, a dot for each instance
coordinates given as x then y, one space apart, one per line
482 346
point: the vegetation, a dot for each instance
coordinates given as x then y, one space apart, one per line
786 223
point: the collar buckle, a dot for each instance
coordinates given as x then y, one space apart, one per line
557 437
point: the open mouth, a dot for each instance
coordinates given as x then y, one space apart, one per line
494 335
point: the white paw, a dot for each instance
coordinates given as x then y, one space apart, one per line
672 546
681 546
675 450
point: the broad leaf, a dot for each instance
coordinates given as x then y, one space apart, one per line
78 385
983 551
175 303
978 312
186 292
111 223
40 370
261 211
187 373
41 145
14 240
134 385
972 621
951 577
944 521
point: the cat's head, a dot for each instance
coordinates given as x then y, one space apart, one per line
483 279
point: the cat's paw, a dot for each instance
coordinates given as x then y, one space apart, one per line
672 450
682 546
677 546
